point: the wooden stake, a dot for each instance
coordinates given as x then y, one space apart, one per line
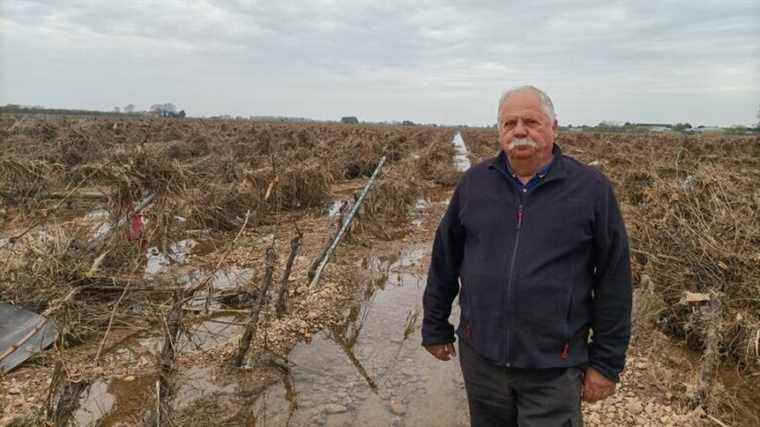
253 318
167 358
282 302
710 315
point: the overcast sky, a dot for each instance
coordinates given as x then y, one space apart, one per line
427 61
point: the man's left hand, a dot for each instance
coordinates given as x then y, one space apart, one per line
596 386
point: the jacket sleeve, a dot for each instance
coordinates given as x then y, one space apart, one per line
611 315
443 276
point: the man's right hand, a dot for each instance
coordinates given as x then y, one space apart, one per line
442 351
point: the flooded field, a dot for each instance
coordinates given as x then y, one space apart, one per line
368 369
157 252
371 370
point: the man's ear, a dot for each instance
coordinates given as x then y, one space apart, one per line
555 127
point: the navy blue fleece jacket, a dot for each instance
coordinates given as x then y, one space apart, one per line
538 269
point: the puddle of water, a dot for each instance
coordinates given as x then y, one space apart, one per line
116 402
210 334
410 258
199 337
159 262
196 383
127 401
394 261
742 387
224 282
371 368
461 158
131 401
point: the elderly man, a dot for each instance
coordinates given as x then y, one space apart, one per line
538 244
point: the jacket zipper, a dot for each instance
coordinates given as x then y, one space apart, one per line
520 216
513 261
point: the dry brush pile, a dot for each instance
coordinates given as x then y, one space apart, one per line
227 182
207 175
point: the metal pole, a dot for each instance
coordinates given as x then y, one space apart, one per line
346 224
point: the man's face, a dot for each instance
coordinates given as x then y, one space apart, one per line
522 117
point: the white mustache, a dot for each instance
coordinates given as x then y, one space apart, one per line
521 142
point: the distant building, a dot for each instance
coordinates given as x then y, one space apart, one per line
652 125
659 129
705 129
351 120
280 119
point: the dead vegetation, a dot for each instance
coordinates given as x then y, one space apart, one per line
690 205
65 181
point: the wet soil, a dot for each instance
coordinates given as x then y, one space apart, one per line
367 368
371 370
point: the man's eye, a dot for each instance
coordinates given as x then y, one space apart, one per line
531 122
509 123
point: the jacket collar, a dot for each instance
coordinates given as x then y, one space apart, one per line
556 167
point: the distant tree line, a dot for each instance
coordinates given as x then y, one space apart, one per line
628 127
20 109
162 110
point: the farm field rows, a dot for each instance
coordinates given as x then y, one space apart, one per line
171 289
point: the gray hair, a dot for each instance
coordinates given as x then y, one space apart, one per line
546 102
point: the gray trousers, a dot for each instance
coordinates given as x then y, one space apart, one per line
500 396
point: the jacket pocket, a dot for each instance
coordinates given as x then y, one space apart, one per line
542 310
565 352
483 313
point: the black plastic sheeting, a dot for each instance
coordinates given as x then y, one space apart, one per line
15 324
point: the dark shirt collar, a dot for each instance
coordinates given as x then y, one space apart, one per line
551 171
541 173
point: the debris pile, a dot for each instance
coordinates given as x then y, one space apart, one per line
77 236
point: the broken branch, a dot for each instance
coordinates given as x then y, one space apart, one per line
282 303
253 319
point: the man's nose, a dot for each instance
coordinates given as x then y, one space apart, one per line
520 128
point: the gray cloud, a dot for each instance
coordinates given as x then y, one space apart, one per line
434 61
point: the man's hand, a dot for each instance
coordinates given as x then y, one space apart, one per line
442 351
596 386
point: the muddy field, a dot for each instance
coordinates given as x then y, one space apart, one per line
153 246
